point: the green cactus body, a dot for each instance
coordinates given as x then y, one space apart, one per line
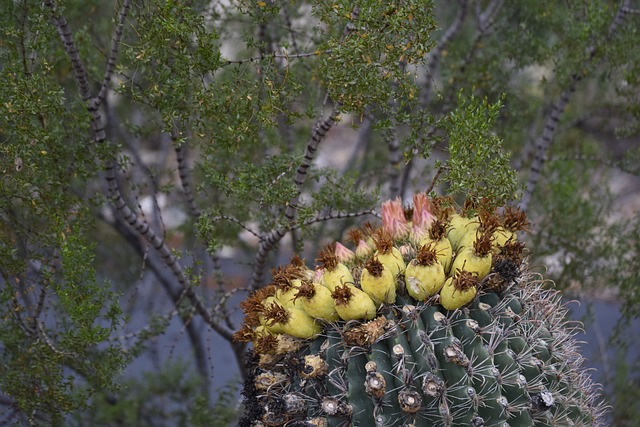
506 358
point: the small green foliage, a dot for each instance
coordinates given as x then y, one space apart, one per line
477 164
168 396
370 47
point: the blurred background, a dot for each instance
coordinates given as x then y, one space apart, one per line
159 158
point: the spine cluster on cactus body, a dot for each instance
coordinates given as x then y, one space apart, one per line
431 320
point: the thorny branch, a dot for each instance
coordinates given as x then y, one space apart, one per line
183 171
544 141
113 55
268 242
434 55
141 227
487 17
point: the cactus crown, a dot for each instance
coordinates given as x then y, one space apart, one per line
327 257
438 229
501 355
426 255
374 267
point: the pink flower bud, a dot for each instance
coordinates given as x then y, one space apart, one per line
363 250
422 215
344 253
393 220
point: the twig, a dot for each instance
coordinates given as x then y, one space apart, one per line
277 55
115 195
435 179
43 334
237 221
619 164
543 142
336 215
487 17
395 155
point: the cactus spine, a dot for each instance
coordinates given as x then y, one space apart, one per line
411 349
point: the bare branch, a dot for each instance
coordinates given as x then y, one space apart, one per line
395 154
237 221
622 165
141 227
268 243
543 142
183 171
170 260
486 18
434 56
64 31
335 215
113 55
47 340
435 179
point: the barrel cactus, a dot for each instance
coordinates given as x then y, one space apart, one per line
432 319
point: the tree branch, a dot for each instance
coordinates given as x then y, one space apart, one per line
141 227
183 172
544 141
113 55
268 242
433 57
170 260
336 215
487 17
64 31
395 155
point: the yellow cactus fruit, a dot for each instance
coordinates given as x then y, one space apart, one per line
378 282
441 245
352 303
291 321
459 290
254 306
469 238
488 224
286 295
286 280
387 254
300 268
341 275
513 220
476 259
335 273
316 301
459 225
274 316
424 276
501 236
